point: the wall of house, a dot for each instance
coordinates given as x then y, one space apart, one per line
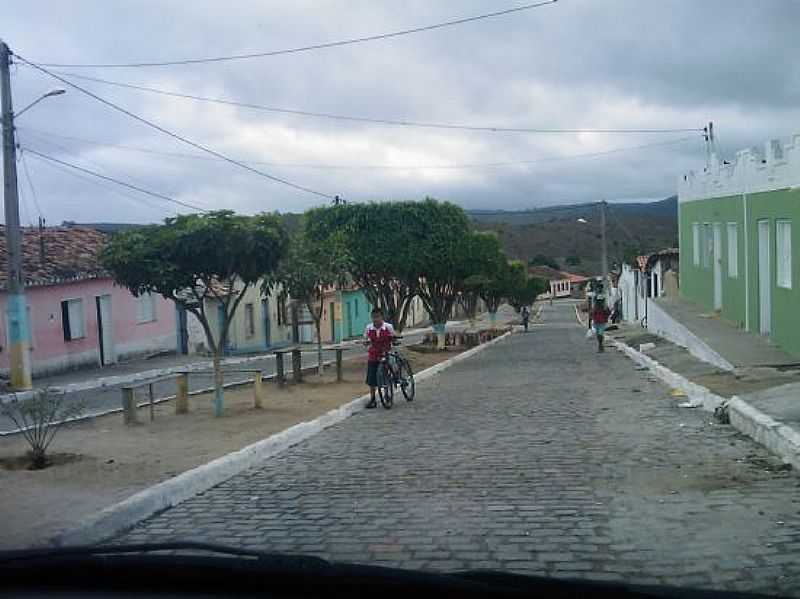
240 340
331 321
355 313
756 186
51 354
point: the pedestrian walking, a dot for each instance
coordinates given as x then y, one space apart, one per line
599 320
526 315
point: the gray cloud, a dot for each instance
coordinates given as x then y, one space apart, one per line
579 63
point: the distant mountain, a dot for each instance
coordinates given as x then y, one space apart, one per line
661 208
555 232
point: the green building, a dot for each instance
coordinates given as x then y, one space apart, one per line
739 227
355 313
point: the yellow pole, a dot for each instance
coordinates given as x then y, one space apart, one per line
182 394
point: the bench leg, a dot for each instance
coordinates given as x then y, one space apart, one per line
281 373
182 394
339 373
129 407
297 366
258 390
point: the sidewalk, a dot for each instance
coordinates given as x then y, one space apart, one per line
761 401
712 338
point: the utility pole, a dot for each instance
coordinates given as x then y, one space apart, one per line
16 305
605 248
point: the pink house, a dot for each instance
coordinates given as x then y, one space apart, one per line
78 317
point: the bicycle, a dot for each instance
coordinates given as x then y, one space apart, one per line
395 371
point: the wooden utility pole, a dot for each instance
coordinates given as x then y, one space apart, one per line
16 305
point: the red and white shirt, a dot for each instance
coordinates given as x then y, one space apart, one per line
380 340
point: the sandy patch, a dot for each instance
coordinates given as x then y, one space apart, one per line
108 461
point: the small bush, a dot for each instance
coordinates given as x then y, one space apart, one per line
40 418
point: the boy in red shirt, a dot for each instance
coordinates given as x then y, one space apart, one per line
599 320
378 335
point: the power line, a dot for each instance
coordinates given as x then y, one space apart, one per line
180 138
345 42
38 133
361 119
113 180
30 184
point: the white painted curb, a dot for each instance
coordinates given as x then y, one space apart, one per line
780 439
121 516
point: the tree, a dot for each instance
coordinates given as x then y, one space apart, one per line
509 279
573 260
442 258
484 258
380 239
193 259
542 260
312 268
40 418
526 293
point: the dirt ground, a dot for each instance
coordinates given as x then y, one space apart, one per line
100 461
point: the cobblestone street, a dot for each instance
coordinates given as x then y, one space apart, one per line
537 456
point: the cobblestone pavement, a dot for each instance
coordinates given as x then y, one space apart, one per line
537 456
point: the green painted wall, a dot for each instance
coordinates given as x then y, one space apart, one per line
697 282
355 313
781 204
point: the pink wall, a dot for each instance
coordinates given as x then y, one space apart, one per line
51 353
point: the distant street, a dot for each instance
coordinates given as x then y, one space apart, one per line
537 456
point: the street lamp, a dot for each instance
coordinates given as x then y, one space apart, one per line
52 92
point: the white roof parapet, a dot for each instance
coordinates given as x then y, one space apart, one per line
775 166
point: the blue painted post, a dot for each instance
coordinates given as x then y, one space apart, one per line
19 341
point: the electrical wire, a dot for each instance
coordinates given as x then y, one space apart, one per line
334 44
38 133
174 135
30 184
113 180
361 119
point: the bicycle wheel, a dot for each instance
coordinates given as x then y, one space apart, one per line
385 386
406 376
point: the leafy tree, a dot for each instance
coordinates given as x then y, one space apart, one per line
526 292
197 259
509 279
443 258
542 260
380 239
573 260
484 258
312 268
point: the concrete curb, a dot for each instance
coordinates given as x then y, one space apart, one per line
780 439
697 394
125 514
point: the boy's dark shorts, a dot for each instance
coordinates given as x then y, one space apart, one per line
372 373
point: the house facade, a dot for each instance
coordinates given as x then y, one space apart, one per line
739 228
259 323
77 316
651 276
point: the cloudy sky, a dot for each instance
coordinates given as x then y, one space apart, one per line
576 64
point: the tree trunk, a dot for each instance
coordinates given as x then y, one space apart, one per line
439 329
219 382
318 324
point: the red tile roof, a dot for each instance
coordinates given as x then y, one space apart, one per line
56 255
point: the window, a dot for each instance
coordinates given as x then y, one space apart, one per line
733 251
145 308
696 244
72 319
249 320
783 248
708 245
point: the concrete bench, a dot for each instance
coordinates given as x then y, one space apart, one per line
339 349
297 364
